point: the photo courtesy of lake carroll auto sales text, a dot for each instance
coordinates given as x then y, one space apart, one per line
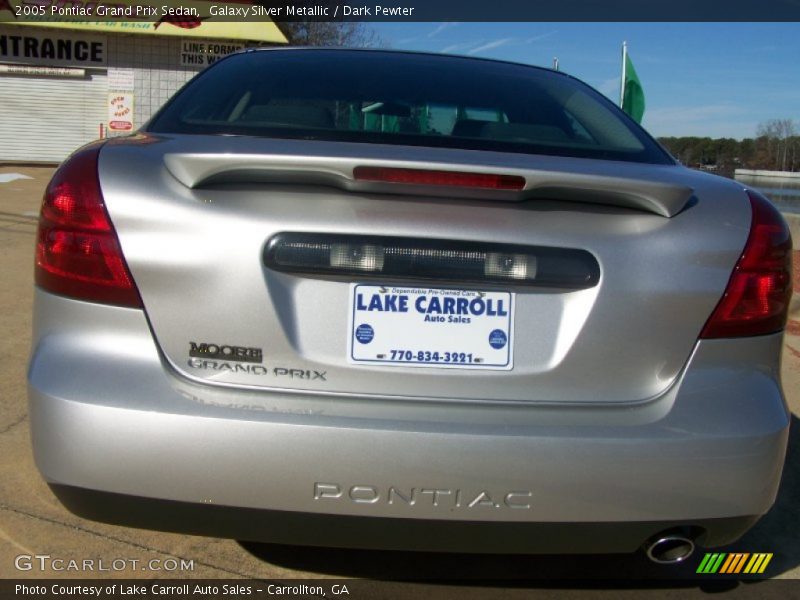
180 590
350 299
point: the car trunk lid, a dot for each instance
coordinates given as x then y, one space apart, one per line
196 232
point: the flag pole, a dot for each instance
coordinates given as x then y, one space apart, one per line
622 78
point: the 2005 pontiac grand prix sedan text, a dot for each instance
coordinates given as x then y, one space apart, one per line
395 300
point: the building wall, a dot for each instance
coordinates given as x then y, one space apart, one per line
158 73
55 111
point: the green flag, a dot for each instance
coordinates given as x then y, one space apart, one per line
632 92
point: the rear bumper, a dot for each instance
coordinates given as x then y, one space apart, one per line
109 420
342 531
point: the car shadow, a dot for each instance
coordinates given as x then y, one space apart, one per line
778 532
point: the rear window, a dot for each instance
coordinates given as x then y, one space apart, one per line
405 99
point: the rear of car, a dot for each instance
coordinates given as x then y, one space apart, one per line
392 300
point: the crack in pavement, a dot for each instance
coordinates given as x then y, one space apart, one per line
4 535
9 223
17 231
19 421
112 538
28 218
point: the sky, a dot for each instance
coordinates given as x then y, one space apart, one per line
699 79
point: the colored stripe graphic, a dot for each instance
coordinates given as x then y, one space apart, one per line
758 563
711 562
701 568
728 561
733 563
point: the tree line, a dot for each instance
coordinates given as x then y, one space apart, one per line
776 147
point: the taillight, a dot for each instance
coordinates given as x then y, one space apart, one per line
756 301
493 181
77 251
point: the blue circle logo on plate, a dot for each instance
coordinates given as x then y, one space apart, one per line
498 339
365 333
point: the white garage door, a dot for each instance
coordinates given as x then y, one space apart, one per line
43 119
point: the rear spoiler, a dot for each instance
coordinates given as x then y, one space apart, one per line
195 170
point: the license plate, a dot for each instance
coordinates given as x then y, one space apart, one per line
430 327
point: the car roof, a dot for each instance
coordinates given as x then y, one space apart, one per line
393 51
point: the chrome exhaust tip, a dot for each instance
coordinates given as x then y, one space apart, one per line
669 549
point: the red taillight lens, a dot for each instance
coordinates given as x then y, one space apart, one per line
449 178
77 252
756 301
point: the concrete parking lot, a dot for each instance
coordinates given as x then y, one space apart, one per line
32 522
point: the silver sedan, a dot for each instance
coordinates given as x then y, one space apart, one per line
394 300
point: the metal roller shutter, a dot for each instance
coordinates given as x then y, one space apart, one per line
45 118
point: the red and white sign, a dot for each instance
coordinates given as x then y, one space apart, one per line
120 112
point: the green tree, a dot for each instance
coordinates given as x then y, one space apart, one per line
777 147
326 33
779 136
